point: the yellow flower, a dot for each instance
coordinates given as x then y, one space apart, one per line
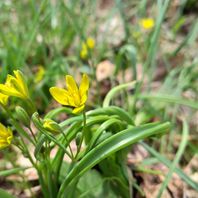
72 96
6 136
15 86
90 42
84 53
40 74
3 99
147 23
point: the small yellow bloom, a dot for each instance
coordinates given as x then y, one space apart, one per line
39 74
3 99
84 53
72 96
6 136
51 126
147 23
90 42
15 86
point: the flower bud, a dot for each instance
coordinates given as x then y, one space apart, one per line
51 126
78 138
22 116
36 119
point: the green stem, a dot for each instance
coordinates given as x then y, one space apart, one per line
24 146
33 134
83 134
72 155
42 183
49 175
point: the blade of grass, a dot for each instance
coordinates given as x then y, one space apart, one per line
177 158
167 163
170 99
154 40
192 35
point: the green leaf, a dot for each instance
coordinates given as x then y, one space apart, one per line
112 110
90 184
13 171
115 90
100 130
110 146
57 111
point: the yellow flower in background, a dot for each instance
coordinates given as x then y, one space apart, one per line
89 44
3 99
15 86
6 136
73 96
84 52
147 23
39 74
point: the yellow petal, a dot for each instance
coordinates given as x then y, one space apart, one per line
71 84
3 99
73 90
72 102
78 109
10 91
21 82
60 95
83 99
76 99
84 85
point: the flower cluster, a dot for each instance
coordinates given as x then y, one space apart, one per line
16 86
